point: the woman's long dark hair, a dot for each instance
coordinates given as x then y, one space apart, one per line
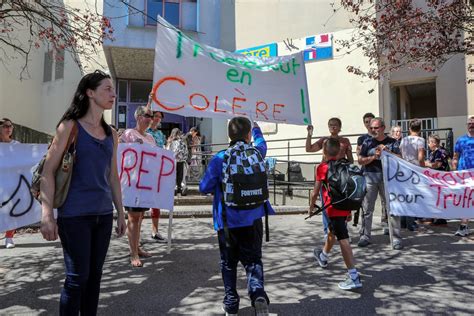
80 102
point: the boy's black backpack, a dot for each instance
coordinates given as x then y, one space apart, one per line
345 184
244 184
294 172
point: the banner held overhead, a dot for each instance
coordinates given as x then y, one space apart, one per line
193 79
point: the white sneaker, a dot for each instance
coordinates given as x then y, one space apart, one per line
463 231
9 244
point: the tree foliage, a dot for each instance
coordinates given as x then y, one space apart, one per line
421 34
26 25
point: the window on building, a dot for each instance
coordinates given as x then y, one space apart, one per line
48 66
59 66
122 91
139 91
176 12
53 64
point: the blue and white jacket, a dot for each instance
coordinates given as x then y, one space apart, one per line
212 181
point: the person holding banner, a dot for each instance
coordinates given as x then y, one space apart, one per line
369 158
463 159
438 159
85 219
160 141
6 132
412 149
143 116
345 151
239 232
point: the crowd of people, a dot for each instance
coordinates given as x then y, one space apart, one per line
85 220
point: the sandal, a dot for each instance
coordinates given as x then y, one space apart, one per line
142 253
136 263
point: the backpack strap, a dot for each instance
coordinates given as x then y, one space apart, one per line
224 218
267 227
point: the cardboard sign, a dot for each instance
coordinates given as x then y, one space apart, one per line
193 79
147 175
421 192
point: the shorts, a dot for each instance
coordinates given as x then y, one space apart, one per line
338 226
136 209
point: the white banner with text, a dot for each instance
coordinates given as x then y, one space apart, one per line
421 192
18 208
193 79
147 175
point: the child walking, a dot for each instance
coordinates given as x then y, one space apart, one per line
239 231
337 221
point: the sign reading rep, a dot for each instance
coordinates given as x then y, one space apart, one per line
193 79
17 206
147 176
420 192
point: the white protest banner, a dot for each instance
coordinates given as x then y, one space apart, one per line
17 206
421 192
147 175
193 79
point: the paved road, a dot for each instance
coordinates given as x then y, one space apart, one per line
433 275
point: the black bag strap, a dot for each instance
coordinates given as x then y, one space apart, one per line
267 227
224 218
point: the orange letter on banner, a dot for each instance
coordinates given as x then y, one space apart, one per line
191 97
215 105
155 92
141 170
258 110
235 105
276 111
128 169
162 174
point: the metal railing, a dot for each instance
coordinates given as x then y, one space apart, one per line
291 151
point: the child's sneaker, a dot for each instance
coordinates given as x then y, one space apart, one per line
350 284
261 306
227 313
9 244
317 255
463 231
158 238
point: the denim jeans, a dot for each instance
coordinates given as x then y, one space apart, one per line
246 247
85 240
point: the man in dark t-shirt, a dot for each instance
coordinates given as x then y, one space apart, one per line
366 118
369 157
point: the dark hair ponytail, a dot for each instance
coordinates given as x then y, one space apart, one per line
80 102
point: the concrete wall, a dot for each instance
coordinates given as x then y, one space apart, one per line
454 96
333 92
31 102
264 21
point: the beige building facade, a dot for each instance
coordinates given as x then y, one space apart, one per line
40 98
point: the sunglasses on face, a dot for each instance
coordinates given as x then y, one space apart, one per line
375 127
147 116
7 126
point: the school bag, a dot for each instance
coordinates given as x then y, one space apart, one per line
294 172
180 149
244 183
345 184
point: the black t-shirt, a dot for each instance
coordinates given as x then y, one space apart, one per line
368 149
362 138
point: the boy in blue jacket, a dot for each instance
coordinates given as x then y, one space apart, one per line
245 228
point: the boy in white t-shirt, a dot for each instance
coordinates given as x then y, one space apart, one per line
412 148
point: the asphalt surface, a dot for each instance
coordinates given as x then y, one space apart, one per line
433 275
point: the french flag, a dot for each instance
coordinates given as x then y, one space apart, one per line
318 47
